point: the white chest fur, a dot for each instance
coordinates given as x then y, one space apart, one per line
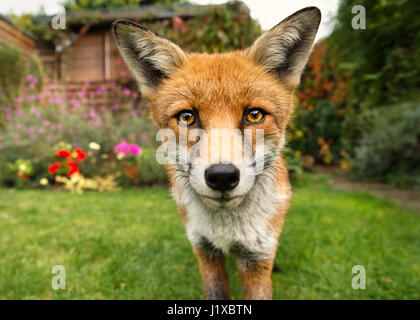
246 225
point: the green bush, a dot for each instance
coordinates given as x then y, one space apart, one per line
389 150
14 66
385 57
151 172
318 132
220 28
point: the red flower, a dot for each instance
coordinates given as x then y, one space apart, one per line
63 153
81 155
53 168
74 168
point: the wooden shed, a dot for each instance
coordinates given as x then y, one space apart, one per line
91 54
11 34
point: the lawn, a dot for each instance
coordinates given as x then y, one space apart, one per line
132 245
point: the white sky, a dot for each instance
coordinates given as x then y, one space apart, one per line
267 12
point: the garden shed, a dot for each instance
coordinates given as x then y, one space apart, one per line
11 34
88 52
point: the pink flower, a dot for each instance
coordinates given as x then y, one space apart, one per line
127 149
134 149
122 148
19 100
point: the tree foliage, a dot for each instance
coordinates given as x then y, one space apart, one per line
385 57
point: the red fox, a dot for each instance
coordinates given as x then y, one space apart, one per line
225 208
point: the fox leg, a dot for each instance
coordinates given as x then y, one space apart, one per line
256 279
213 273
255 273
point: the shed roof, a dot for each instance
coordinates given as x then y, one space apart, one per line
108 15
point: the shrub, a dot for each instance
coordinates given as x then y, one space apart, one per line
14 65
318 132
151 172
323 124
389 150
385 57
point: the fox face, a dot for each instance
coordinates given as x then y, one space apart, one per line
222 96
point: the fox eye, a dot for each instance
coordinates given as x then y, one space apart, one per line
255 115
185 118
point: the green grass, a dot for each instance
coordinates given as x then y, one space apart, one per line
132 245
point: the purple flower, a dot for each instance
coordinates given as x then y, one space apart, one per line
126 91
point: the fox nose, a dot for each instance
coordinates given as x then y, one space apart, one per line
222 177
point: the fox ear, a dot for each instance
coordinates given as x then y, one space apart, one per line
284 49
149 57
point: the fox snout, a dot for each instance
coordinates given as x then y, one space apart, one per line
222 177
